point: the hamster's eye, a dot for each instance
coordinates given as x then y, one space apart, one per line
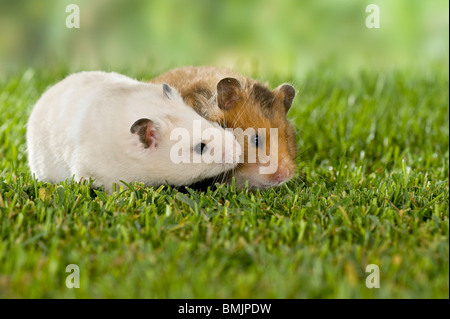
256 140
200 148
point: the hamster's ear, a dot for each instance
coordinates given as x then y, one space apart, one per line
287 93
228 93
170 93
147 132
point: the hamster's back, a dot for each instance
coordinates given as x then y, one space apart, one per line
75 109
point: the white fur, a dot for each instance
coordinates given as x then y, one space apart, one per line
81 127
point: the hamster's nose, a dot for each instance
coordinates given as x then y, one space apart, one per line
281 175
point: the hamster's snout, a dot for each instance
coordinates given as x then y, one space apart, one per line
281 175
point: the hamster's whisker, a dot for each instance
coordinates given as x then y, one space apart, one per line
241 111
236 118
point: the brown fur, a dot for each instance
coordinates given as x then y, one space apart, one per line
252 105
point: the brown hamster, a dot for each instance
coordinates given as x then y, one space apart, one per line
235 101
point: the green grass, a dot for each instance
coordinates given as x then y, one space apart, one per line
372 189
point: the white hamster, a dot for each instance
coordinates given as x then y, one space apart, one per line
109 127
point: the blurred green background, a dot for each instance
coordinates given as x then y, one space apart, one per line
263 37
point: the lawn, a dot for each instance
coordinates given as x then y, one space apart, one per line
372 188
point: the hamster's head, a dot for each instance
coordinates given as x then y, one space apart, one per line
187 147
258 117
